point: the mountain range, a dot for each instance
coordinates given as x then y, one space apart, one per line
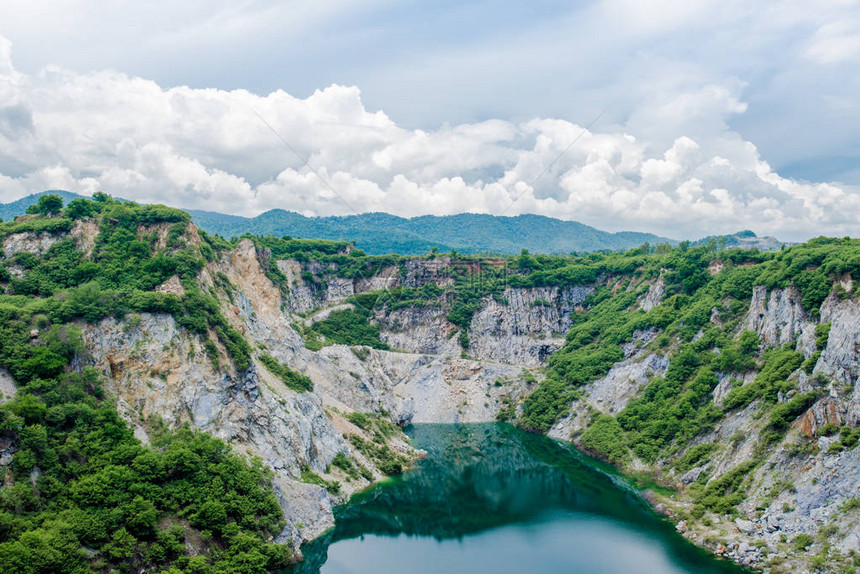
378 233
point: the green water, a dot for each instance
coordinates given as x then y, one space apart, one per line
491 498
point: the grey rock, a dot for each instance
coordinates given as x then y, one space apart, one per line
777 319
745 526
654 296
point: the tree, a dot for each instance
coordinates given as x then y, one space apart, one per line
80 209
49 204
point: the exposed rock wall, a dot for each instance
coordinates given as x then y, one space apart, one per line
524 326
840 360
794 490
611 393
36 243
778 319
420 330
7 387
157 370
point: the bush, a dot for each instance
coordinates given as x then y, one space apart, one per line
802 541
347 327
723 494
784 413
694 455
605 438
295 381
778 365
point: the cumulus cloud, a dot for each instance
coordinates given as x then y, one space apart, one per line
674 168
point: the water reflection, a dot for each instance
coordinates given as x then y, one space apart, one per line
498 490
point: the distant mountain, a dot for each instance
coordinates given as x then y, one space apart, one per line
465 232
378 233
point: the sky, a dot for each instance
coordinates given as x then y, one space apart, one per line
682 118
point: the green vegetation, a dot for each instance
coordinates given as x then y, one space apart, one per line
127 264
382 429
381 233
79 479
353 470
388 461
672 410
848 438
345 327
50 205
310 477
377 424
723 494
771 379
97 486
694 456
508 411
67 428
802 541
295 381
605 438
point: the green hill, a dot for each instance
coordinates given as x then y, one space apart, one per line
380 233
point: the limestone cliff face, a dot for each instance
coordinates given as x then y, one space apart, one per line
429 377
157 369
423 330
83 232
840 360
779 318
792 492
611 393
524 326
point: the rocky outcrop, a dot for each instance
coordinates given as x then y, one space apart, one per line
430 383
156 369
654 296
171 287
840 360
159 371
36 243
777 319
420 272
420 330
524 326
7 387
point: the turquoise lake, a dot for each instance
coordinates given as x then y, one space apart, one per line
491 498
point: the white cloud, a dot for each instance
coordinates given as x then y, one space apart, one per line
836 42
674 168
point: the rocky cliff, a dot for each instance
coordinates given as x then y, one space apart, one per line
799 513
159 371
436 363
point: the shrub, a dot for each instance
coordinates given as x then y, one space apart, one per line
347 327
802 541
295 381
606 439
